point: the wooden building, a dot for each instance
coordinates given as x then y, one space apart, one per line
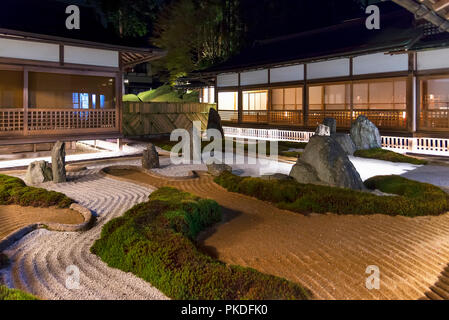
397 76
60 84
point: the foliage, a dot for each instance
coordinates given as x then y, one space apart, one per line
167 93
131 98
130 18
13 294
197 34
15 191
387 155
154 240
413 198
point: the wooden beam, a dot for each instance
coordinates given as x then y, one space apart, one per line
440 5
25 101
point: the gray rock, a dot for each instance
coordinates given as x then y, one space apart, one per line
331 123
325 162
38 172
58 162
365 134
216 169
305 173
276 177
214 121
323 131
150 157
345 142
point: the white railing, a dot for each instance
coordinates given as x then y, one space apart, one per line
429 146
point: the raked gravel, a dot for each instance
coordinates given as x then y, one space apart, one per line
40 260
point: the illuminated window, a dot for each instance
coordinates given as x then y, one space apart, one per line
228 101
255 100
329 97
207 95
52 90
435 94
387 94
286 99
11 89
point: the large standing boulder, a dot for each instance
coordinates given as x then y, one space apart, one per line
331 123
150 158
58 162
325 161
365 134
214 121
38 172
345 142
322 131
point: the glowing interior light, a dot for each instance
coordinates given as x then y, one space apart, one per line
432 97
404 115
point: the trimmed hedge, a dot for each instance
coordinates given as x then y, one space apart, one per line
412 198
13 294
155 241
15 191
387 155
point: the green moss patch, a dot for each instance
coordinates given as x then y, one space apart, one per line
15 191
156 241
13 294
412 198
387 155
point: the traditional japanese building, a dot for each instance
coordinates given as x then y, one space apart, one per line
61 84
397 76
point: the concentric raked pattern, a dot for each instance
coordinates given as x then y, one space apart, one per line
40 260
329 254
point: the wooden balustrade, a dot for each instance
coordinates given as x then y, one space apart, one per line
11 121
55 121
435 119
390 119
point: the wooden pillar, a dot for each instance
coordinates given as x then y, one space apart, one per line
351 90
240 102
305 99
25 101
411 94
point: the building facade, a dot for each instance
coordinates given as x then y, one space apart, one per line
397 76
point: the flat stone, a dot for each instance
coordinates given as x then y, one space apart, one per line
323 131
38 172
216 169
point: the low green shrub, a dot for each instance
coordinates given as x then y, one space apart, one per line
15 191
13 294
387 155
155 241
411 198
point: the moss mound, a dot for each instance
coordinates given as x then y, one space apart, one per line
15 191
13 294
155 241
387 155
412 198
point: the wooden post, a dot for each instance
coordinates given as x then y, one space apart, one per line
410 95
305 99
25 101
240 102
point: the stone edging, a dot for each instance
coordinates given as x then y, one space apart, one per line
192 174
19 234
